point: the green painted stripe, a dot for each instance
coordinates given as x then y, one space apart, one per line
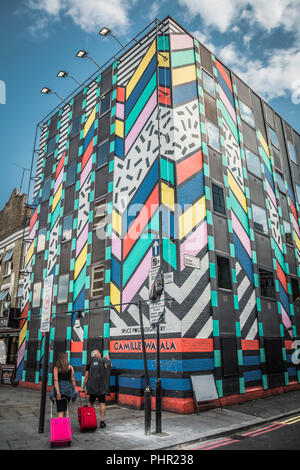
138 107
79 283
229 120
265 158
169 252
167 170
180 58
239 212
55 215
279 256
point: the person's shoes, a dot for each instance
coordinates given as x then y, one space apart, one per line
102 424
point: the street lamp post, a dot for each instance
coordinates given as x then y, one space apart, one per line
81 54
47 91
64 74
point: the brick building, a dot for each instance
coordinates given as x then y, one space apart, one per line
13 218
167 147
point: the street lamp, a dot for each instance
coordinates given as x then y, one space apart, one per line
107 32
81 54
47 90
64 74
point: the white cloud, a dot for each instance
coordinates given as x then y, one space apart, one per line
205 40
89 15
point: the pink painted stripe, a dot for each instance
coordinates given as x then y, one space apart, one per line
181 41
137 279
296 226
286 321
86 171
21 353
194 244
120 110
227 104
32 233
81 240
271 193
116 246
136 129
239 230
58 181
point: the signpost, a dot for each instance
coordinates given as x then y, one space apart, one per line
45 328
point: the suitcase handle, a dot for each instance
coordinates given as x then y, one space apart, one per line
84 393
51 407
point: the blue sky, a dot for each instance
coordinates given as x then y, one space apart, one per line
39 37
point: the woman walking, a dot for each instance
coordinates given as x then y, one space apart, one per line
64 384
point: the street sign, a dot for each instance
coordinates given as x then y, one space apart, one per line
156 310
47 302
155 262
192 261
168 278
155 248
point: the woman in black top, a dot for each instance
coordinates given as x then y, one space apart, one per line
63 376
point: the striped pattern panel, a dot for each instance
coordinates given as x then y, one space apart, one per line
63 131
91 97
40 160
251 363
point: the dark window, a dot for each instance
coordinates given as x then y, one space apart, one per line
75 126
97 281
208 83
213 135
266 280
46 190
295 288
218 199
51 145
63 288
224 278
292 152
105 103
246 114
288 232
71 174
259 218
67 228
253 162
280 182
102 154
273 137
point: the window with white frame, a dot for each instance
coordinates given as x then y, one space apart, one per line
97 280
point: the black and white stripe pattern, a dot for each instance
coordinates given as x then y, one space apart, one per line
63 131
40 160
247 304
91 97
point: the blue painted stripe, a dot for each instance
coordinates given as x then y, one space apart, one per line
116 271
252 375
188 192
76 361
269 177
164 76
284 299
251 360
243 258
291 193
119 147
88 138
292 371
166 365
167 384
226 89
183 93
168 222
140 86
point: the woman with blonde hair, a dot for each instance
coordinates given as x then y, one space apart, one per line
64 384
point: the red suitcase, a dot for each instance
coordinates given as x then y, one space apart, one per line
87 417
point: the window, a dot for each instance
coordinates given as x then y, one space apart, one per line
259 218
7 268
253 162
105 103
213 135
51 146
100 213
71 174
98 280
280 182
208 83
5 303
102 153
288 232
295 288
67 228
218 199
41 241
246 114
266 280
292 152
46 190
63 288
75 126
224 278
273 137
36 295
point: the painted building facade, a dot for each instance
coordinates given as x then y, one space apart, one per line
167 145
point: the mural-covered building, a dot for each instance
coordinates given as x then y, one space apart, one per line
167 144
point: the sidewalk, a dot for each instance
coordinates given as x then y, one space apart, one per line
19 420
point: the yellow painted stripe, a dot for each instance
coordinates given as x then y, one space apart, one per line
57 197
237 191
297 240
115 296
141 68
264 144
167 196
30 253
163 59
80 261
22 334
116 222
192 217
184 75
295 419
120 128
89 122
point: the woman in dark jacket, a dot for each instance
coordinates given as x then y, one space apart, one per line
64 384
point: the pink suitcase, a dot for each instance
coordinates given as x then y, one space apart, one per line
60 431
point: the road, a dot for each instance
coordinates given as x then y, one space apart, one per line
283 434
